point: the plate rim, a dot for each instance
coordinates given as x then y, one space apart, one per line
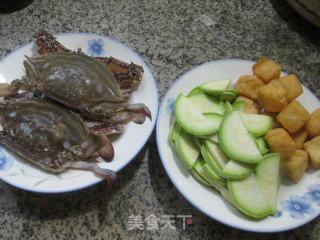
98 180
194 203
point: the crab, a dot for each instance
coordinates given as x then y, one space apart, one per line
79 82
128 75
52 137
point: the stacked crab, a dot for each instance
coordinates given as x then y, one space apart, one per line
45 124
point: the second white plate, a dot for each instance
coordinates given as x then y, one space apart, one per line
297 203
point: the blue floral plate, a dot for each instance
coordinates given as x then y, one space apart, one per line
20 173
297 203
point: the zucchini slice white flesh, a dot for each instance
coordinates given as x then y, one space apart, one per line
210 160
186 148
267 175
217 154
236 170
192 120
213 174
212 137
236 141
206 104
248 197
215 87
197 176
257 124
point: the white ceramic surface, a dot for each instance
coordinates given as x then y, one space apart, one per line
21 174
297 203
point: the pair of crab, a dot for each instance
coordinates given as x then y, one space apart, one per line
45 123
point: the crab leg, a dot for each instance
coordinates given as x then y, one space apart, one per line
108 128
94 168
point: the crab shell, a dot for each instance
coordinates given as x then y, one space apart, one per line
80 83
49 135
128 75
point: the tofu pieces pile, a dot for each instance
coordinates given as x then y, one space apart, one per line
296 132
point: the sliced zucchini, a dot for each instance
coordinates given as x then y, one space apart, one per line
199 167
262 145
257 124
215 87
216 153
207 104
192 120
236 170
200 179
195 90
212 137
175 128
236 141
210 160
267 175
228 95
213 174
238 105
186 148
228 106
248 197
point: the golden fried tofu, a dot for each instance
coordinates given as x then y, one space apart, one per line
248 86
272 97
266 70
280 141
293 117
313 125
292 86
295 166
313 149
300 137
249 106
275 122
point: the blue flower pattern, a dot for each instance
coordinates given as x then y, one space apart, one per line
95 47
297 206
314 193
5 162
170 106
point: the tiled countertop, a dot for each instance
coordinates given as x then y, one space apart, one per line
172 37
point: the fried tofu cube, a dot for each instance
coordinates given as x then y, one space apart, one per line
280 141
272 97
292 86
266 70
300 137
248 86
312 147
293 117
313 125
249 106
296 165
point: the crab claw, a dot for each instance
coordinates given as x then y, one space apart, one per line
141 108
7 90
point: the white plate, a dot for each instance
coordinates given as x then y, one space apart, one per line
294 208
19 173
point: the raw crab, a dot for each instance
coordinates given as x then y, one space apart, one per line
127 75
52 137
80 83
